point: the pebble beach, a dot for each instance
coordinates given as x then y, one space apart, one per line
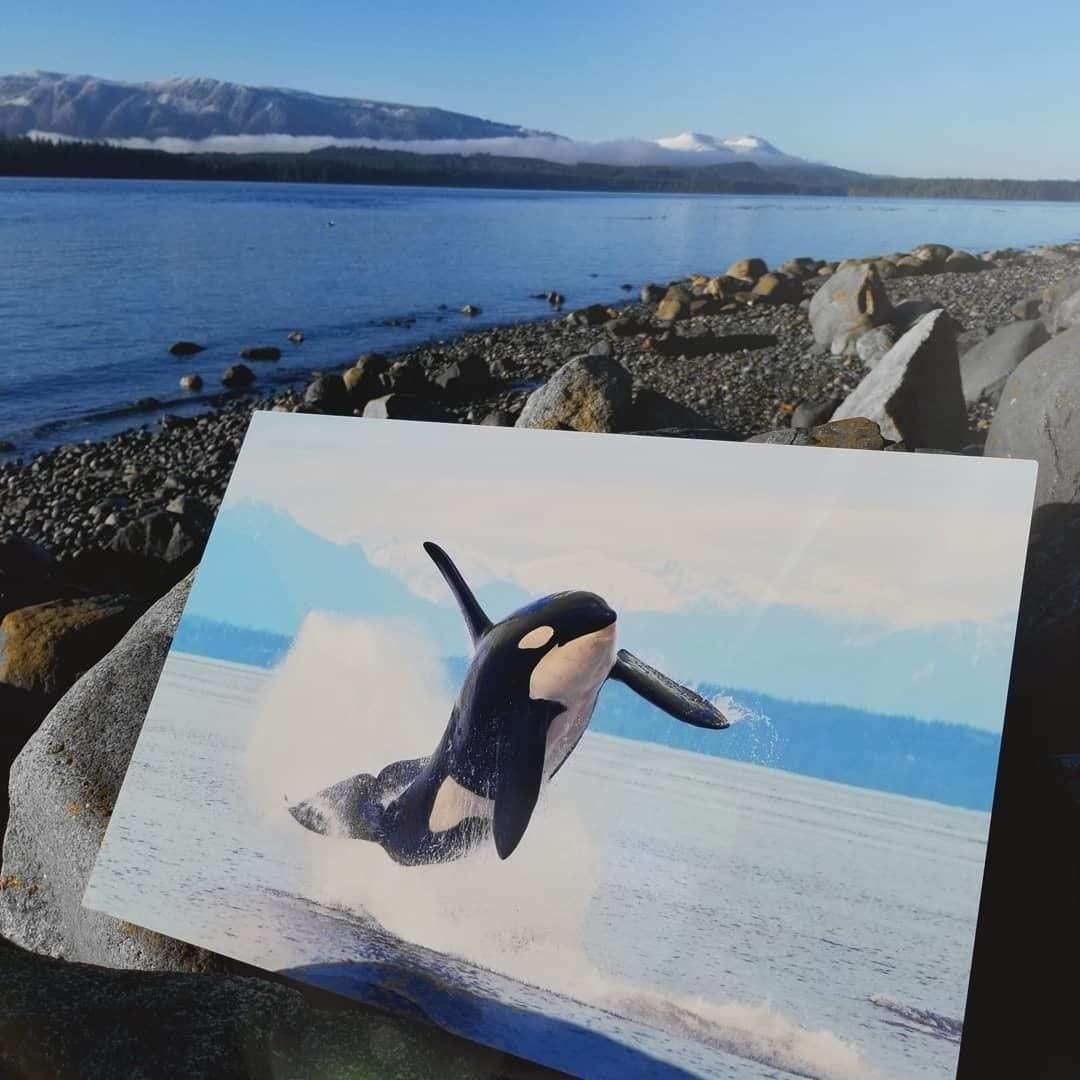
736 372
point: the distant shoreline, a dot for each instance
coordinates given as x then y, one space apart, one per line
23 157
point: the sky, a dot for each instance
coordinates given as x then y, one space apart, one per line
969 87
884 582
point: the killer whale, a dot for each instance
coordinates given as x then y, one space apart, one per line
524 704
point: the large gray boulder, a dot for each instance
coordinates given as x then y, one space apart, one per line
588 393
1060 307
63 786
61 1020
913 393
984 369
850 303
1038 418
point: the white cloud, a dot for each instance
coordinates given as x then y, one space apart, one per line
545 147
903 541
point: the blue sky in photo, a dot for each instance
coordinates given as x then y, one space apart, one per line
817 595
969 87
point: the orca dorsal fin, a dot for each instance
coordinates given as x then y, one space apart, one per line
478 623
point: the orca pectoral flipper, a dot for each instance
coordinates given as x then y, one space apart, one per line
519 767
674 698
478 623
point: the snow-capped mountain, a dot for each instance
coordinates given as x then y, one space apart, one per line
85 107
731 147
197 114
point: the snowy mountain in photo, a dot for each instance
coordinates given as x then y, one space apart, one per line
199 114
731 148
85 107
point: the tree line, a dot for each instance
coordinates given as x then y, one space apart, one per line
23 156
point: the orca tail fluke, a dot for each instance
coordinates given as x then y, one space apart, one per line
478 622
674 698
349 809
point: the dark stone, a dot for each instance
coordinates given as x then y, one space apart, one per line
171 422
160 535
363 380
405 407
625 326
260 352
146 404
328 393
652 294
238 375
781 437
499 418
593 315
809 414
464 378
191 382
186 348
908 312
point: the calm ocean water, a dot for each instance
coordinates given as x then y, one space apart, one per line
668 914
98 278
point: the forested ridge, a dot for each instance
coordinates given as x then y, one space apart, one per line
23 156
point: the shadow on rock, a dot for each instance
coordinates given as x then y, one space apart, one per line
1031 888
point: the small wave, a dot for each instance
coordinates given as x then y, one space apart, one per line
133 408
752 1032
930 1023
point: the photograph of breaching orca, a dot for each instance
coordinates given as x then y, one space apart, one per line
629 755
525 703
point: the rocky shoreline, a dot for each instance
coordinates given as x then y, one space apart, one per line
915 352
733 364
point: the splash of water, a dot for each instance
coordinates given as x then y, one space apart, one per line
353 695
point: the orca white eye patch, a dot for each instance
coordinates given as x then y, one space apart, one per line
534 639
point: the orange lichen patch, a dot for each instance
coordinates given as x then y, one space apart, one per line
74 808
98 799
10 881
33 888
47 645
786 408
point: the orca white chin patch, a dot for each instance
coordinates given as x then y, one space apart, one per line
575 670
537 638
